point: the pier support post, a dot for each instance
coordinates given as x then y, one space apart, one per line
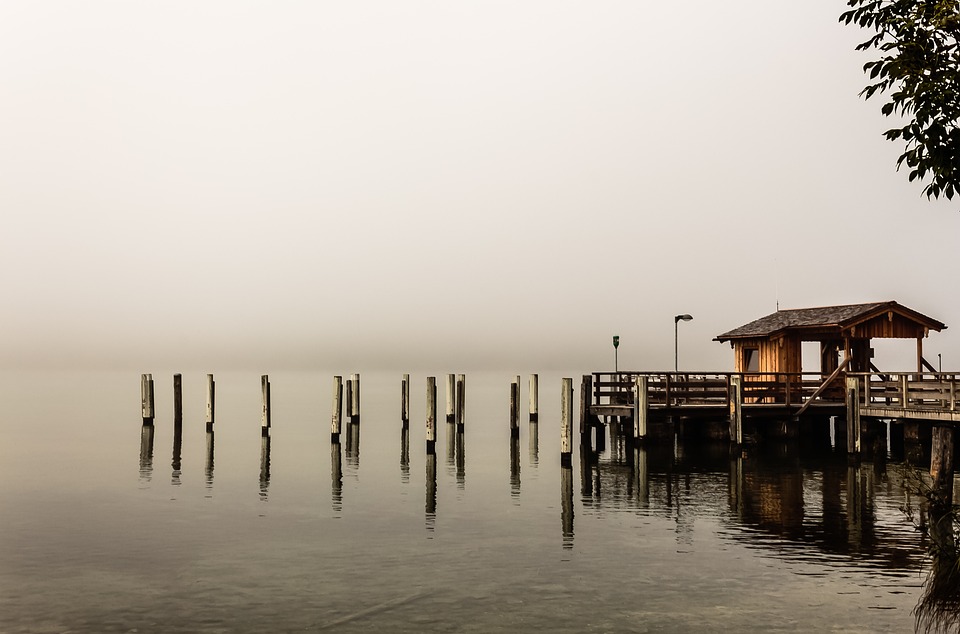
853 416
405 401
941 464
146 398
451 398
336 415
211 401
461 400
566 422
586 423
736 410
514 410
431 415
177 399
265 400
355 399
641 408
534 398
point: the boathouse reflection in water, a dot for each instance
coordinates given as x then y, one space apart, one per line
778 496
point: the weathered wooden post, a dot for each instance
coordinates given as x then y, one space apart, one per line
853 416
514 410
586 425
736 410
348 399
641 408
941 464
566 422
211 401
534 398
355 399
265 398
177 399
451 398
336 416
431 414
146 398
405 401
461 400
516 402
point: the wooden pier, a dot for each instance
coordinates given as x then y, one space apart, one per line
658 397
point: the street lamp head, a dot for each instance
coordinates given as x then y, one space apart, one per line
682 318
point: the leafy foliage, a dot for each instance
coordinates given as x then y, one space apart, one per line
919 71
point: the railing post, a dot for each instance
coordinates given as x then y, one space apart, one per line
735 396
853 416
904 379
953 393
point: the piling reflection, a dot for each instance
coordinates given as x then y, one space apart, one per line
336 478
534 440
566 506
405 454
515 469
208 468
461 459
451 444
177 444
353 445
264 467
146 453
431 490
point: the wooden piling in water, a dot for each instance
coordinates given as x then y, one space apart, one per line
265 398
514 410
461 400
566 422
355 399
431 414
941 464
586 389
853 417
451 398
405 401
211 401
641 408
336 420
534 398
348 399
146 398
736 410
516 402
177 399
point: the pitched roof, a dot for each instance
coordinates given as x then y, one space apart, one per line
825 316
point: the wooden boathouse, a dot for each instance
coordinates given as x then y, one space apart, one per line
769 389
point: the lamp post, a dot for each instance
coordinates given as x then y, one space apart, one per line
676 349
616 344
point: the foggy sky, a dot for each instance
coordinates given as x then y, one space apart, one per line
444 185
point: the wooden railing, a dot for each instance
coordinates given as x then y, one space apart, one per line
920 391
706 389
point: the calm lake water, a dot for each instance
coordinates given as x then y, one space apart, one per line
101 535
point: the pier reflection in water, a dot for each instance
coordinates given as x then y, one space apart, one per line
146 453
804 504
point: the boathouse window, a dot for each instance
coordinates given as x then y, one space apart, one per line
751 359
